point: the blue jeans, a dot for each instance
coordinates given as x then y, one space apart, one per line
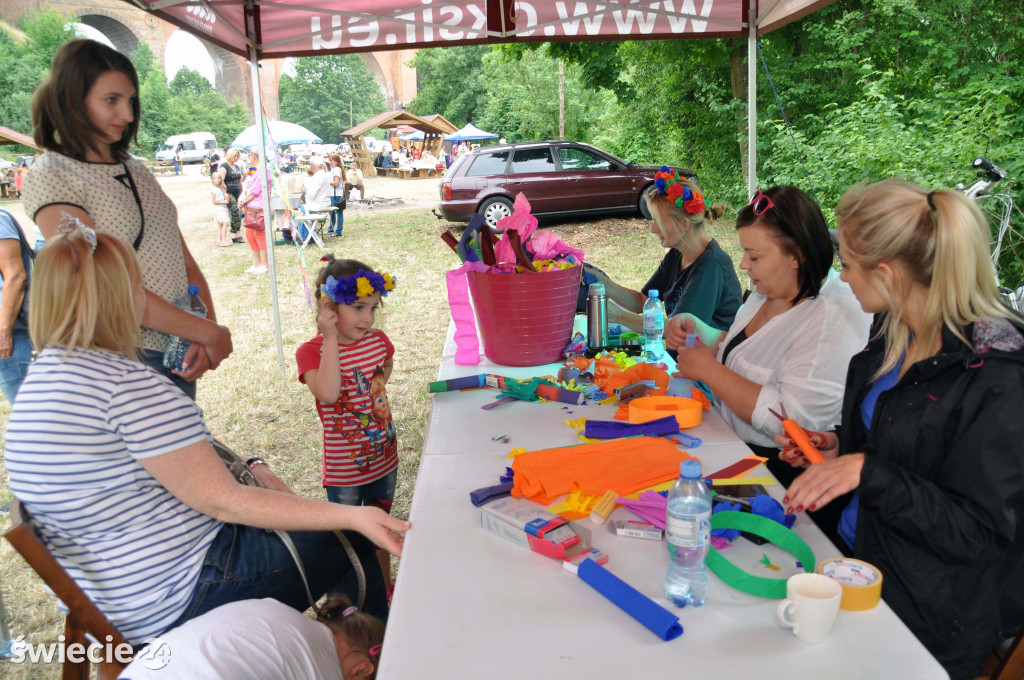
155 359
177 167
380 492
14 368
337 216
244 562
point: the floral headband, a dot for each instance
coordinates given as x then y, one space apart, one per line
362 284
671 185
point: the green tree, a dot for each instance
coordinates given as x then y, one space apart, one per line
319 95
521 101
26 58
450 81
188 83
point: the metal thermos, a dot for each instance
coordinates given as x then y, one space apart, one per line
597 316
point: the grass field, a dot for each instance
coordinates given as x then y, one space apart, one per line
259 408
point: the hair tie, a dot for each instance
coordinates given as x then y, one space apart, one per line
931 202
349 611
69 224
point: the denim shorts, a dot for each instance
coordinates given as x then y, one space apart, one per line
14 368
379 492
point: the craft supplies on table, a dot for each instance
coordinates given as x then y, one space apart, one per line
687 412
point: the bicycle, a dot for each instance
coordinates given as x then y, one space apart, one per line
1007 244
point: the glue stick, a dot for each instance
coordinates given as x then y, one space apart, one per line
603 508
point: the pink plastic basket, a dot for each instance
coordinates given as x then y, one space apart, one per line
525 319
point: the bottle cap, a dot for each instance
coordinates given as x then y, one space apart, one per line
652 293
193 290
596 289
690 469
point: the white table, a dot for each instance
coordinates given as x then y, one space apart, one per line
469 604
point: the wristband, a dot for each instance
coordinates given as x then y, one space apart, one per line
254 461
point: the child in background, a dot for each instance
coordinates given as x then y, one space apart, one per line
220 209
346 367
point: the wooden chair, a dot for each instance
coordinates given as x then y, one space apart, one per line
1006 664
83 614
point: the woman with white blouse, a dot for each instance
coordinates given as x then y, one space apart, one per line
792 340
86 115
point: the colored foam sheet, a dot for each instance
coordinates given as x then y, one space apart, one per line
653 616
739 468
613 429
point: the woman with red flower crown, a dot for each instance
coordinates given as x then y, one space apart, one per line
696 276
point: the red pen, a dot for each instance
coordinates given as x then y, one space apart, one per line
799 435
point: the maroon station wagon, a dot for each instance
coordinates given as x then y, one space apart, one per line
558 178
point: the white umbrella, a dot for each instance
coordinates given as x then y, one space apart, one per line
283 133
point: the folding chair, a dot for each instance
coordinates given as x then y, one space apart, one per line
314 224
83 615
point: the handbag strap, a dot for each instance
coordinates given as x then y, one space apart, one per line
244 475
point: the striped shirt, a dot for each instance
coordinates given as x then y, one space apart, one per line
75 436
359 436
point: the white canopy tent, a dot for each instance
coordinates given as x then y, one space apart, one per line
289 28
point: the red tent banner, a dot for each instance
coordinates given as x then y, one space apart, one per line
280 28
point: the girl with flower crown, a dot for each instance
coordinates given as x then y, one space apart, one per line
696 275
346 367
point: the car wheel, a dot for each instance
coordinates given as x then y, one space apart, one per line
645 211
494 209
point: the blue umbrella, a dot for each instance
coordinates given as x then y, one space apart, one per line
281 132
413 136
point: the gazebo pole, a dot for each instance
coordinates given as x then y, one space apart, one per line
752 100
268 212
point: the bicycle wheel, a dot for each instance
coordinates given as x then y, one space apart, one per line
1006 223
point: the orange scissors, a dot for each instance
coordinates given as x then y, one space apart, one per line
799 435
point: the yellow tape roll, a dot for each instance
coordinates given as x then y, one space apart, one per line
861 582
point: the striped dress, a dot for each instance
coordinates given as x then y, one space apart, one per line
77 432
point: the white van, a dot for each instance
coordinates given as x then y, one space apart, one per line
194 147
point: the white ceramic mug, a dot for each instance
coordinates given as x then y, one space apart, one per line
810 607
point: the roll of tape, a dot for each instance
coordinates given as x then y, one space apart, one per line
861 582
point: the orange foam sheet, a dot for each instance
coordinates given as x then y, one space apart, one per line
620 465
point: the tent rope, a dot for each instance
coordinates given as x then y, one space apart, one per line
785 118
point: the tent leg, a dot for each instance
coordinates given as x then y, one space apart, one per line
268 221
752 101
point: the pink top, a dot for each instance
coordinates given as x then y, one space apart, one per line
253 186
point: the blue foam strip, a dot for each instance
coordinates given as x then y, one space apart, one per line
656 618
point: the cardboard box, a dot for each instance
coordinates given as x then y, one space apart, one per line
525 523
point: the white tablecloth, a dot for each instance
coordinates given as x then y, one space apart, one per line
469 604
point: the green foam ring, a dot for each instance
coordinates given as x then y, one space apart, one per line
769 529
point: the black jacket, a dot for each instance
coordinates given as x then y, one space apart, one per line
942 489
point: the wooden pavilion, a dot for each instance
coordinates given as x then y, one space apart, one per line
433 131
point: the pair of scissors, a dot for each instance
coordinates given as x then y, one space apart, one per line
798 435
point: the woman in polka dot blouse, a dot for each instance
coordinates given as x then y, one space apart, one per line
86 114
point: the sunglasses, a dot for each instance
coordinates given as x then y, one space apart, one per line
761 202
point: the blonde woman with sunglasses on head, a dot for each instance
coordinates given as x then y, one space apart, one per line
788 349
932 438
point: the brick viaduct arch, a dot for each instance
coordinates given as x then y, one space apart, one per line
126 26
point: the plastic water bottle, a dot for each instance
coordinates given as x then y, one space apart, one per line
654 327
688 527
177 347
